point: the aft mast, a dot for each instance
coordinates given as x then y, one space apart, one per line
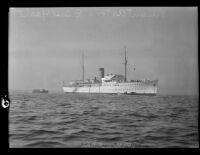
125 64
83 67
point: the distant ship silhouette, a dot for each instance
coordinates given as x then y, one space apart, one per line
40 91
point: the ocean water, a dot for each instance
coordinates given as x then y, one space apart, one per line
102 121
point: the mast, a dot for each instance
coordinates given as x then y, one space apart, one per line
83 67
125 63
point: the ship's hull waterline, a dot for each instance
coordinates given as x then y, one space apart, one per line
132 88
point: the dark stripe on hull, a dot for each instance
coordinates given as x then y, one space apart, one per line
147 94
142 94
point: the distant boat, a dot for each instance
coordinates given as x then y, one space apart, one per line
40 91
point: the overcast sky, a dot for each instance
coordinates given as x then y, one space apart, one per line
45 46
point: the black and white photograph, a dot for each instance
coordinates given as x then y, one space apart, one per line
103 77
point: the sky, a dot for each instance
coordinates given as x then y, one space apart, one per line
45 46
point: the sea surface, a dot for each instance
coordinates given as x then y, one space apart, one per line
102 121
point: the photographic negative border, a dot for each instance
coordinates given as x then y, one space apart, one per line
4 85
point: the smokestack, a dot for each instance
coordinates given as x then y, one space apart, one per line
101 73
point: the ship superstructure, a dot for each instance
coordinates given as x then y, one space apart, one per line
112 84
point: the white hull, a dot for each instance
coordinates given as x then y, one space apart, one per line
149 87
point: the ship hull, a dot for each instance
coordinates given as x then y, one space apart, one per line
130 88
40 91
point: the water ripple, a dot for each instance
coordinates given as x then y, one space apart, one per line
72 120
